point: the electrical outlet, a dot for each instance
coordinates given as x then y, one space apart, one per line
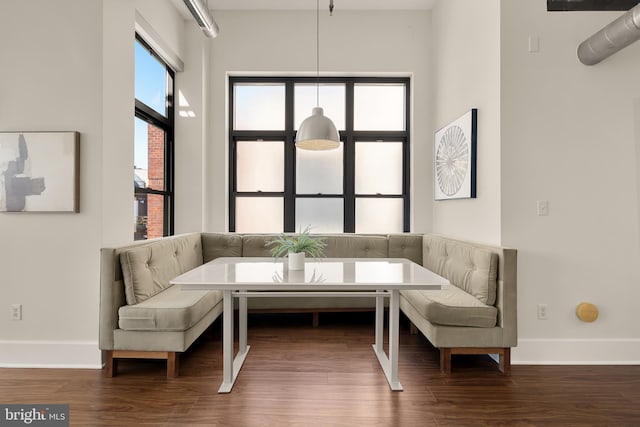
16 312
543 312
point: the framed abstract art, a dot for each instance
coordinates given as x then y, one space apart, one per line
455 149
39 171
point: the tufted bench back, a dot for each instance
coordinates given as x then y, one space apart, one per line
468 267
356 246
216 245
338 245
406 245
147 269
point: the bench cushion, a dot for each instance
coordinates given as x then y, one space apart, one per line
452 306
147 269
470 268
173 309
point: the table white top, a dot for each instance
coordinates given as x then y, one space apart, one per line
322 274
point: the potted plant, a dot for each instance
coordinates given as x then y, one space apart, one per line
295 246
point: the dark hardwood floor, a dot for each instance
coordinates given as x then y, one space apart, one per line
296 375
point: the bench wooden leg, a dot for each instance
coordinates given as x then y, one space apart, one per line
412 329
172 364
316 319
112 356
505 361
504 364
445 360
110 364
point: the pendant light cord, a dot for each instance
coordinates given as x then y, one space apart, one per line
318 47
317 53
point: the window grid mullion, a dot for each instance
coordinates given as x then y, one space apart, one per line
289 161
348 137
349 162
406 164
233 158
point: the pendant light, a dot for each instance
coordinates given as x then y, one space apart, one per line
317 132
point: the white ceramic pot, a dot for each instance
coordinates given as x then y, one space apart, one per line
296 261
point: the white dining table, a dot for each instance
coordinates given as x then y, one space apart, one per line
249 277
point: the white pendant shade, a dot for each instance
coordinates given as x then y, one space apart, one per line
317 132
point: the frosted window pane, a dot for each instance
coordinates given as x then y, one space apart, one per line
259 214
319 171
332 101
379 215
323 215
259 106
378 168
379 107
260 166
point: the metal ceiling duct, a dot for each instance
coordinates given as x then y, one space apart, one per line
202 15
612 38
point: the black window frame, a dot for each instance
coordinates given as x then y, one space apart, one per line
349 137
167 124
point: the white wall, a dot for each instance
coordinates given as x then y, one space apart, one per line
68 65
351 43
51 81
167 23
192 131
117 84
570 135
467 75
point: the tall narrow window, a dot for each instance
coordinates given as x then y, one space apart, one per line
153 153
362 186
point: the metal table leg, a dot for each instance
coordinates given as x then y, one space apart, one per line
230 365
389 363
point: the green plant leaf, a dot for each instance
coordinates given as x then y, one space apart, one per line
301 242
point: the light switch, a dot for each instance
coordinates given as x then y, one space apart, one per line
543 207
534 44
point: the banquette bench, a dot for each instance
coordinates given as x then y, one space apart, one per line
143 316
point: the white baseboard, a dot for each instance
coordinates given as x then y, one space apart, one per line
50 354
87 355
576 352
